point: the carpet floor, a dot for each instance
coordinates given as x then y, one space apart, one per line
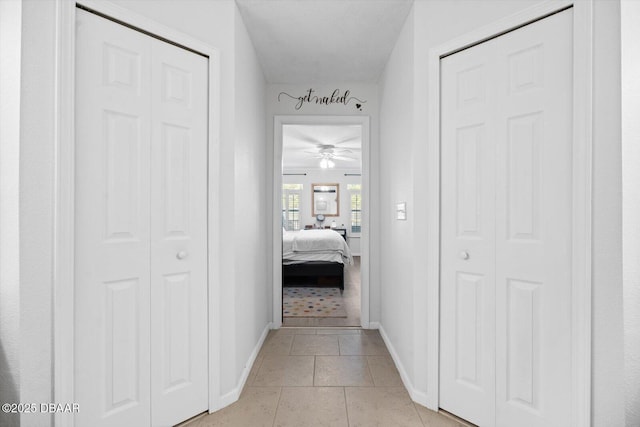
312 302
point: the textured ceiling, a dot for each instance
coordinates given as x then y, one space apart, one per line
301 143
323 41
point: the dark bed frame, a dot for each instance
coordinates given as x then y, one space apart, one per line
318 271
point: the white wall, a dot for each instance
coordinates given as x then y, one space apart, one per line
404 115
10 38
36 164
367 92
607 322
253 285
631 205
396 171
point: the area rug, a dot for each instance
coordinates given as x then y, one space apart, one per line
312 302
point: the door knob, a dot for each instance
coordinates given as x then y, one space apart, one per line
181 255
464 255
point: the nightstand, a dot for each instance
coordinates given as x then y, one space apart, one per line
342 231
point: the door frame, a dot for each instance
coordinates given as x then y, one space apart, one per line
64 202
278 123
581 192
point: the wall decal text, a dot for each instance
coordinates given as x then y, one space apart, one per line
335 98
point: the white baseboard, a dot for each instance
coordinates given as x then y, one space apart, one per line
232 396
374 325
417 396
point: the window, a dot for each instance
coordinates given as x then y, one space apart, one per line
355 203
291 206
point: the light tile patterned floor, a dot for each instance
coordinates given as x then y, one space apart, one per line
324 377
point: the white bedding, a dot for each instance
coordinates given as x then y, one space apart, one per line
314 245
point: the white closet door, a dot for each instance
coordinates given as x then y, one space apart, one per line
467 375
179 381
534 210
506 203
112 265
140 267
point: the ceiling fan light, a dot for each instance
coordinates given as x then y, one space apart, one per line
327 163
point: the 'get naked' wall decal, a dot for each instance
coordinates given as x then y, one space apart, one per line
334 98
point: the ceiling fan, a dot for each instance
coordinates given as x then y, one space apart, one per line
327 153
326 143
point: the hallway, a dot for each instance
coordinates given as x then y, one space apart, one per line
105 269
324 377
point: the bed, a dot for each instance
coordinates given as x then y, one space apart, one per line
315 255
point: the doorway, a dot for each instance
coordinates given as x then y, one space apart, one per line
302 146
322 225
506 227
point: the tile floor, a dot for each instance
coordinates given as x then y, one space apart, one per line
324 377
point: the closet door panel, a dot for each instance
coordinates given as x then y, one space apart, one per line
111 224
467 340
179 234
533 243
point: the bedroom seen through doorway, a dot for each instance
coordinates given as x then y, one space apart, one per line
321 225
